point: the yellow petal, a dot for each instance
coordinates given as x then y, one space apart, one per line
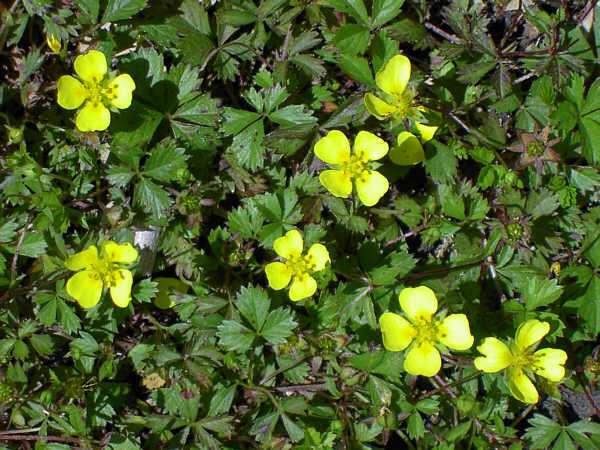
91 67
423 359
93 116
370 147
278 275
408 151
120 91
53 42
85 259
120 288
530 333
290 245
521 387
318 256
394 76
425 131
419 304
302 287
336 182
333 148
377 107
371 186
397 332
71 93
454 332
85 287
497 356
119 253
549 363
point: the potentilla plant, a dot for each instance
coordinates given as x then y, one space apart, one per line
299 225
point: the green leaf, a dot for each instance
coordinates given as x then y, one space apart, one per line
352 39
32 245
355 8
234 336
293 115
540 292
122 9
42 343
119 175
67 318
380 362
253 303
8 230
541 203
416 426
246 220
542 432
236 120
590 124
247 146
589 310
151 197
357 68
442 165
453 204
278 326
164 162
294 431
91 8
221 401
384 11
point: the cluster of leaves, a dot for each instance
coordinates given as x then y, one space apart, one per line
213 161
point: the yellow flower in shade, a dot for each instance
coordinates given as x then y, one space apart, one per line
95 91
521 360
53 42
422 333
397 102
98 271
296 267
408 150
353 168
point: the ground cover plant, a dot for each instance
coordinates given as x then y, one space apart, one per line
296 224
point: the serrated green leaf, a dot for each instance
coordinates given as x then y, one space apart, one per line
122 9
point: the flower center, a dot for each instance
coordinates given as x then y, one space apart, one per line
427 330
106 271
355 167
403 104
301 265
535 148
101 92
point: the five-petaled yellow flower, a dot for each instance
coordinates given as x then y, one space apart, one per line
98 271
422 332
353 167
521 360
296 266
397 102
97 92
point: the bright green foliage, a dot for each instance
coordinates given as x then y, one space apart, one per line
214 160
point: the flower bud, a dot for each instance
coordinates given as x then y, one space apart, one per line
53 43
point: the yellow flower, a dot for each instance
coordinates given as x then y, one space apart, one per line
397 101
53 42
97 92
95 272
353 168
296 267
408 150
521 360
422 333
